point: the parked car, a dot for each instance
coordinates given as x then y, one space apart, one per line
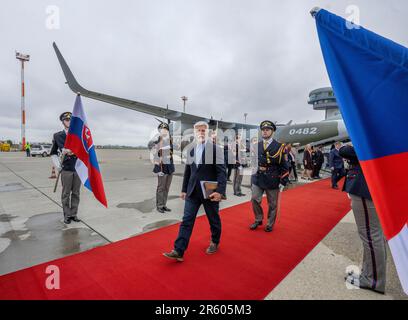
43 150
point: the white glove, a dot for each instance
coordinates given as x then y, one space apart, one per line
56 162
66 151
160 174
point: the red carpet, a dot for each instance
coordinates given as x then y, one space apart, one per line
248 265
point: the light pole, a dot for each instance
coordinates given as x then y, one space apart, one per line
23 58
184 98
245 116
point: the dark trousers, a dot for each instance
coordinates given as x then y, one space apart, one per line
292 168
316 169
337 174
229 171
191 207
28 152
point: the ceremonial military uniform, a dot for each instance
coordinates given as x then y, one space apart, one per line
270 170
164 168
71 183
373 273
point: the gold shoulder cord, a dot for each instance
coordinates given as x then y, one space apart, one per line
279 153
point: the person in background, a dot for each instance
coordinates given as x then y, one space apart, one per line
228 157
238 166
318 162
163 166
291 152
27 148
373 273
307 163
336 165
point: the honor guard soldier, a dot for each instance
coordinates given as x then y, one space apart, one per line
373 273
64 161
163 166
270 169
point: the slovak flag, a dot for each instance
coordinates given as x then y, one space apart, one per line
79 141
369 75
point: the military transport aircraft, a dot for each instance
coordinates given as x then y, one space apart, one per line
318 133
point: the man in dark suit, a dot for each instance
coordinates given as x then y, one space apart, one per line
318 160
336 165
205 162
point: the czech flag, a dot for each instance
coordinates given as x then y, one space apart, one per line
369 75
79 141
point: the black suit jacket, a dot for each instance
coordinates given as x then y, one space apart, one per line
212 169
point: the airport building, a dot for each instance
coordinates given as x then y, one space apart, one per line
324 99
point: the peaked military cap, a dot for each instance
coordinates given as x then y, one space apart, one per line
268 125
163 125
65 116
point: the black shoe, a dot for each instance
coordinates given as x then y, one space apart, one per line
355 281
255 225
161 210
67 220
335 187
166 209
212 248
174 255
268 228
241 194
75 219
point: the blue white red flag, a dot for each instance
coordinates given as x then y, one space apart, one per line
369 75
79 141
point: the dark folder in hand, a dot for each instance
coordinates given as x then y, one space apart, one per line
208 187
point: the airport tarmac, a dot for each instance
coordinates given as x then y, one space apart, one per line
32 229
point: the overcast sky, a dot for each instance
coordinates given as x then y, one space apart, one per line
227 56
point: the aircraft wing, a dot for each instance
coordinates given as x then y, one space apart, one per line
140 106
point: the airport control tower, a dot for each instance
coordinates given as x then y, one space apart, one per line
324 99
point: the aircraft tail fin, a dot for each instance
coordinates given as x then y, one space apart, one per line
71 81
